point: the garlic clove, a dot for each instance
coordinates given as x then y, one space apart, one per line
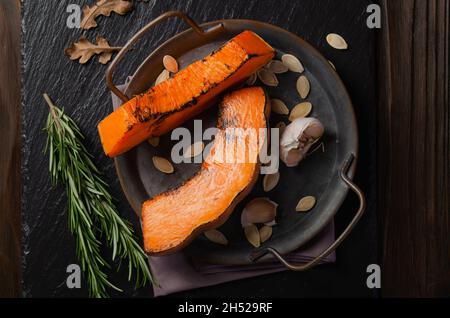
271 223
297 139
259 211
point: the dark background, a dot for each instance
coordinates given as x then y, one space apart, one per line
48 247
408 123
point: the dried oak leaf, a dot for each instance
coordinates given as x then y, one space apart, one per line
103 7
84 50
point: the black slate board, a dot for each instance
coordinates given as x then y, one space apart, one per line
48 247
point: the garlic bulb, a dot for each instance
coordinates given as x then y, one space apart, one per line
297 139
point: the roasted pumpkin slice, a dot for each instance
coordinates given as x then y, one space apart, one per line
189 92
174 218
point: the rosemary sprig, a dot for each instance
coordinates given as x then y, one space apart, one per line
91 210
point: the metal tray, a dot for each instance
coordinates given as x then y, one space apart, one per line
326 175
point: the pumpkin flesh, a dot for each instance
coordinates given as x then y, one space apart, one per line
188 93
172 219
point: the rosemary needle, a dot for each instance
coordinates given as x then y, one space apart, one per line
91 210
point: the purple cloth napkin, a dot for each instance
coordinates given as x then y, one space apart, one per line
176 272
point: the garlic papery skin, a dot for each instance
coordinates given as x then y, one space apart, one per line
297 139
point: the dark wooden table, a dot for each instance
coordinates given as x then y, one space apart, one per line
408 122
413 148
10 180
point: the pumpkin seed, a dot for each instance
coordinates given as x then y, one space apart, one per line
277 67
270 181
336 41
281 126
252 79
265 233
306 204
154 141
216 236
279 107
292 63
332 65
252 235
170 63
258 211
268 78
194 150
302 110
165 75
303 86
163 165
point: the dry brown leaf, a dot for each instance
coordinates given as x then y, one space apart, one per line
85 50
103 7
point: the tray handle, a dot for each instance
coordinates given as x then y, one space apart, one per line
140 33
362 206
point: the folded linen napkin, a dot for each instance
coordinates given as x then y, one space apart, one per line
177 272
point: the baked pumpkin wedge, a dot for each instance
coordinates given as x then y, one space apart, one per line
173 219
170 103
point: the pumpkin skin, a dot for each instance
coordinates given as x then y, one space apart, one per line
170 103
173 219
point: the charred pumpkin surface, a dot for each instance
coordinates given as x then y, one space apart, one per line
172 219
189 92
